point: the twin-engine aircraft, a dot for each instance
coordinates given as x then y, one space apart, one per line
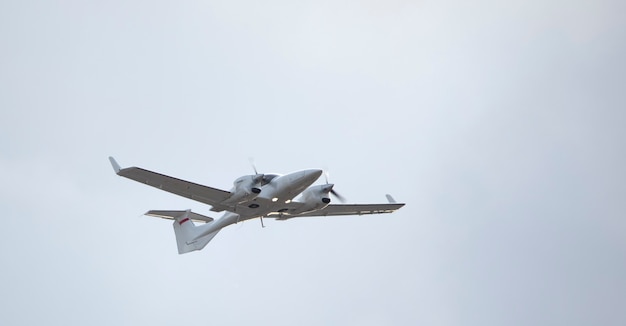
252 196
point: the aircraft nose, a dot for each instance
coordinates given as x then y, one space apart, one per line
305 176
313 174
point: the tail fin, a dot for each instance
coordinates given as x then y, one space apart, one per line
186 232
189 237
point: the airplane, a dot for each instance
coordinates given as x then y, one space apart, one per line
281 197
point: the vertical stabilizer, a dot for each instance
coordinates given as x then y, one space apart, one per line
187 234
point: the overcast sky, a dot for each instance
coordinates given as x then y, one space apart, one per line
500 124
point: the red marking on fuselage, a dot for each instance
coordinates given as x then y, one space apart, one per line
183 221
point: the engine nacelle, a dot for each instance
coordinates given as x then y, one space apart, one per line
314 198
245 189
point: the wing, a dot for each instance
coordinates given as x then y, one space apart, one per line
203 194
347 209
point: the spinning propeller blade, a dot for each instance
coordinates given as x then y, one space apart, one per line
253 166
332 191
338 196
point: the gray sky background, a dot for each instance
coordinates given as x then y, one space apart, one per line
501 125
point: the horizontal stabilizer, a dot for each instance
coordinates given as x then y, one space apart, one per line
170 215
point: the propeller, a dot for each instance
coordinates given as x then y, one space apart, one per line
338 196
258 178
253 166
332 191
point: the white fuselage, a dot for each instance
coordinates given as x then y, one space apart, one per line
286 187
280 190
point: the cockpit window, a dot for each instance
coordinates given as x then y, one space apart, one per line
267 178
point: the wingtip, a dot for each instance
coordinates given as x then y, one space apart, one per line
116 167
390 199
